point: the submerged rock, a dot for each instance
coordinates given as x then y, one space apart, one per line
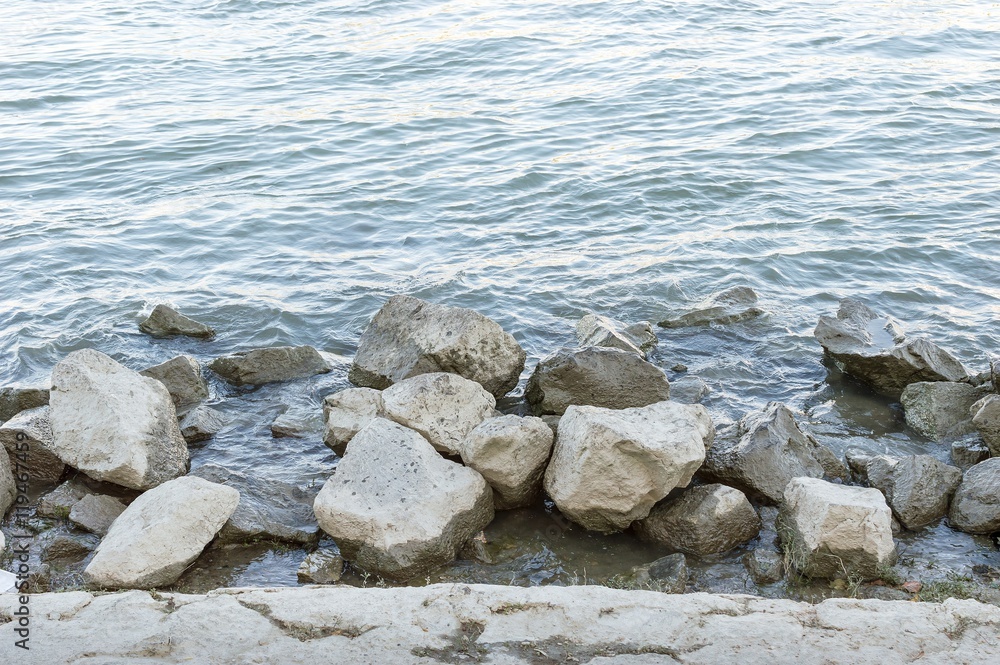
96 513
277 363
396 508
161 533
707 519
874 350
114 424
324 566
688 390
182 378
510 452
609 467
15 400
165 321
608 378
201 424
668 574
409 336
347 412
730 306
916 487
27 437
939 409
975 507
986 419
65 547
836 531
292 424
764 565
595 330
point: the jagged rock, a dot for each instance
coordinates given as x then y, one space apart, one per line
96 513
201 424
324 566
277 363
409 336
609 467
59 502
975 507
27 437
609 378
64 547
874 350
114 424
396 508
595 330
510 452
767 451
836 531
666 575
688 390
939 409
707 519
165 321
986 419
764 565
8 489
182 378
967 452
161 533
443 407
347 412
730 306
268 509
15 400
916 487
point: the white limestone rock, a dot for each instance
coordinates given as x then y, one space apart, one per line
27 437
347 412
510 452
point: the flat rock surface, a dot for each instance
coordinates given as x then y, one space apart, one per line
444 623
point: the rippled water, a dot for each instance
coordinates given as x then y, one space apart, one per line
278 169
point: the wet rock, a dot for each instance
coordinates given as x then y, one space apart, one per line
396 508
765 566
59 502
883 593
707 519
975 507
27 437
986 419
874 350
767 450
510 452
609 467
916 487
604 377
324 566
268 509
836 531
114 424
8 489
966 453
666 575
15 400
277 363
292 425
939 409
165 321
161 533
347 412
182 378
730 306
201 424
595 330
688 390
443 407
96 513
553 422
409 336
65 548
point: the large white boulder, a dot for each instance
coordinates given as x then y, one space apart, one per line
113 424
975 507
443 407
396 508
28 437
409 336
347 412
707 519
161 533
510 452
836 531
609 467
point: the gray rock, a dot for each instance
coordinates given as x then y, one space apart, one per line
975 507
916 487
510 452
59 502
347 412
986 419
764 565
277 363
114 424
8 488
324 566
688 390
967 452
730 306
201 424
884 593
609 467
396 507
165 321
939 410
291 424
995 373
595 330
65 548
874 350
767 451
604 377
27 437
707 519
666 575
15 400
182 378
553 422
96 513
268 509
409 336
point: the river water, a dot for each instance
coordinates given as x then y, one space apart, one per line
278 169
